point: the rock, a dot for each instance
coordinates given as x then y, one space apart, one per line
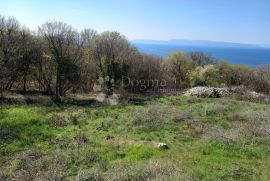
110 100
97 88
163 146
101 97
255 95
113 100
207 92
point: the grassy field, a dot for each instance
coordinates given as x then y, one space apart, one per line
208 139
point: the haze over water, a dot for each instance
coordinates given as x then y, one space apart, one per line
252 56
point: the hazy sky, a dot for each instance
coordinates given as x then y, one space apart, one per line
246 21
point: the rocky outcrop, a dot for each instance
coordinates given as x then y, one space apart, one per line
242 92
207 92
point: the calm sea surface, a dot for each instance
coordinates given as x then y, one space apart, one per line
248 56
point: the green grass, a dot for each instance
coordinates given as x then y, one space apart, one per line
208 139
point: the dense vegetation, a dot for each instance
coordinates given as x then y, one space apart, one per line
58 59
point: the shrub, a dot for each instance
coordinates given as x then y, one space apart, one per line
74 120
58 121
239 173
62 141
240 116
261 78
177 66
253 124
195 127
151 170
80 140
85 175
181 116
205 76
154 169
216 109
35 166
8 133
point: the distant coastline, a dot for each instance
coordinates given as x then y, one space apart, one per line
236 53
203 43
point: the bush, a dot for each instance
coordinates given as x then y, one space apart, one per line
177 66
261 81
80 140
181 116
8 134
205 76
35 166
150 170
216 109
58 121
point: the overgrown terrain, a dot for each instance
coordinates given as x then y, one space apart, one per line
208 139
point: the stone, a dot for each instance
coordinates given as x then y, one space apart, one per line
163 146
207 92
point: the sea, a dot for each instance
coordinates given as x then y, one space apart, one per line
251 56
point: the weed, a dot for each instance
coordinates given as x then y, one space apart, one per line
58 121
80 140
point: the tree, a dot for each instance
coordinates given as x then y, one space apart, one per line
88 64
10 45
111 54
200 59
177 66
145 72
64 45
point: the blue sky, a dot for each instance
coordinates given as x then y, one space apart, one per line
244 21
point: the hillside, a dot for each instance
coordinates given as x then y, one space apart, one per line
207 139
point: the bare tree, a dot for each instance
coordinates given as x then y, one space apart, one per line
200 59
88 64
10 51
65 50
111 54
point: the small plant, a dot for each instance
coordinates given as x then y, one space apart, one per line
80 140
62 141
104 126
150 118
8 134
74 120
216 109
58 121
86 175
91 157
240 116
196 127
181 116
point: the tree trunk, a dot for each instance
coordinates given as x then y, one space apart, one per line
57 86
24 84
109 89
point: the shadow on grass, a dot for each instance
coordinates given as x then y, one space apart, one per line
29 99
44 100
